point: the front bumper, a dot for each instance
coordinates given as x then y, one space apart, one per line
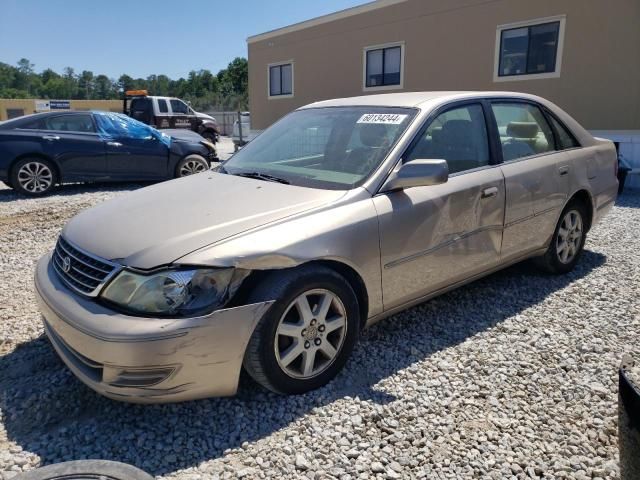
145 360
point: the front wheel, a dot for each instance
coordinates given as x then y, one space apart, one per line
307 335
567 242
190 165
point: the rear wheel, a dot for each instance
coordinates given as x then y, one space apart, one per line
307 335
190 165
33 176
568 240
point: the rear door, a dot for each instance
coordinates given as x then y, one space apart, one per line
432 237
536 176
71 139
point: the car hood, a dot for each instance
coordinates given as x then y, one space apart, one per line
157 225
204 116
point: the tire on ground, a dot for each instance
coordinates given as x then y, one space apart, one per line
285 286
550 261
191 164
17 177
86 469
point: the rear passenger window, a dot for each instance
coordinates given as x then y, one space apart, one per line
162 106
458 136
565 139
71 123
523 130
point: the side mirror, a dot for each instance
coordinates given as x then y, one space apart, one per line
417 173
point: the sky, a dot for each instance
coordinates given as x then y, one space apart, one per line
144 37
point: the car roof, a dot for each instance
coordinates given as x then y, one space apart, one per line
415 99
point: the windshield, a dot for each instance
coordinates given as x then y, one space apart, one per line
334 148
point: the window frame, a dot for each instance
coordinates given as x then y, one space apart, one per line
281 64
166 106
490 126
545 114
552 116
173 112
395 86
527 24
73 132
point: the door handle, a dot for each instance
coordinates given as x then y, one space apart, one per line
563 170
490 192
114 144
50 137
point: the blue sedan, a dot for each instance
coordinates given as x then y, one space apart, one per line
42 150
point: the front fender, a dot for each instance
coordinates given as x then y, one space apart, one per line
347 234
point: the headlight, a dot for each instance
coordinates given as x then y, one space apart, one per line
174 292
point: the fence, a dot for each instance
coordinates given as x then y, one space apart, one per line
225 121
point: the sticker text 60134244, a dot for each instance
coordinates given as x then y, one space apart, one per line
383 118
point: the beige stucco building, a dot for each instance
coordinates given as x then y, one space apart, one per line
12 108
583 55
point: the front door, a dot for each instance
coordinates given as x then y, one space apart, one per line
536 177
137 158
182 116
435 236
134 151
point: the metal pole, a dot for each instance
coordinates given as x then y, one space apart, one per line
240 127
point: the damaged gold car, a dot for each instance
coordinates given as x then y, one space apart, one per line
340 214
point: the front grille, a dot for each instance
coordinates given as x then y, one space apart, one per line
82 272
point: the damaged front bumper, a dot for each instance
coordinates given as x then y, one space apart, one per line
145 360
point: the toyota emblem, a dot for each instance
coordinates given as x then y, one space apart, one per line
66 264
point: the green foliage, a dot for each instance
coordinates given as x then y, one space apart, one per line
226 90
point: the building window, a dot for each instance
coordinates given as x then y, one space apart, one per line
529 50
281 80
383 66
14 113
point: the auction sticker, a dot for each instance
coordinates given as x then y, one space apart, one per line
383 118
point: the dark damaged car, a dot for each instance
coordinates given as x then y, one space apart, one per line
42 150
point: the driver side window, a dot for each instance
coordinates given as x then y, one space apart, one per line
459 136
179 107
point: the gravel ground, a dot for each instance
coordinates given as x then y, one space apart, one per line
513 376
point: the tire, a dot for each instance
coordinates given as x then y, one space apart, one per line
280 361
563 253
7 183
86 469
33 176
190 165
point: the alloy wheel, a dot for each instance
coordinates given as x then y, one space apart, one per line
192 166
569 236
35 177
310 334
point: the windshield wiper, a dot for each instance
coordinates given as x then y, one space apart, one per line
263 176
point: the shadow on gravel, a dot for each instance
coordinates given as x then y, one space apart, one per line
68 189
48 412
629 199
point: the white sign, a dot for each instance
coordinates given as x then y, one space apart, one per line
383 118
42 106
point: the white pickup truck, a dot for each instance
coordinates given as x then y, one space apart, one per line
169 112
243 136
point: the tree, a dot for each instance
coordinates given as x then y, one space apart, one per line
225 90
22 75
85 85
